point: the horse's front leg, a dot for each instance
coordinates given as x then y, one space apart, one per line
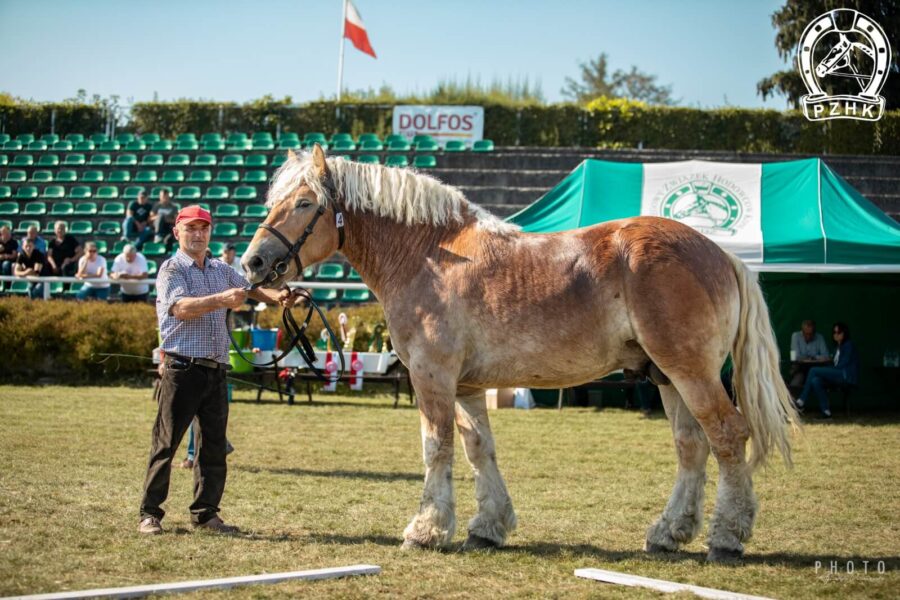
434 524
495 519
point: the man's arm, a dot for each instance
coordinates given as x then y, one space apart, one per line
285 298
191 308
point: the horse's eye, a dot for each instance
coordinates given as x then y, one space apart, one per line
304 204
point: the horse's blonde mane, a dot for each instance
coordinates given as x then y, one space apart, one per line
399 194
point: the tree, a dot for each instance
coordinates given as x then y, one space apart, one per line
634 84
792 19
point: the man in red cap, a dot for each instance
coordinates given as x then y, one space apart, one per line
193 295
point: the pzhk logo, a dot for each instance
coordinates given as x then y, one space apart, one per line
707 206
854 60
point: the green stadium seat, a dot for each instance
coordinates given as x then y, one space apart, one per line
19 288
216 193
211 137
265 145
74 288
8 209
356 296
75 137
54 192
249 230
244 193
186 137
224 230
85 209
424 161
255 161
150 138
34 209
455 146
77 228
213 146
23 226
398 146
119 176
92 176
136 146
132 191
396 160
421 137
370 145
232 160
426 146
483 146
369 137
48 160
188 193
289 144
42 176
145 176
66 176
227 176
119 246
22 160
152 268
239 146
152 249
62 209
156 189
126 160
4 137
255 177
109 228
26 192
73 160
12 145
50 138
315 137
124 138
262 135
15 176
172 176
343 146
227 211
309 273
80 192
85 146
100 160
112 209
107 192
56 288
62 146
353 275
187 146
178 160
278 160
340 137
288 135
394 137
5 192
49 227
324 295
368 159
25 138
216 248
255 211
330 271
162 146
205 160
101 246
200 176
152 160
109 147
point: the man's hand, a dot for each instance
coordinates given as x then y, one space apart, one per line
233 298
287 298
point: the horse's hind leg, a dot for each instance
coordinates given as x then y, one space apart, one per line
434 524
727 432
495 519
683 516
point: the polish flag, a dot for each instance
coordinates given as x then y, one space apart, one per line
355 31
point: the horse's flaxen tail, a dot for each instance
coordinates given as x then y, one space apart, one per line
761 394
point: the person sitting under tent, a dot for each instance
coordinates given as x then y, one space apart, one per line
807 348
845 371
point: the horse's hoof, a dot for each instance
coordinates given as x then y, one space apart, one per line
724 555
476 542
412 545
652 548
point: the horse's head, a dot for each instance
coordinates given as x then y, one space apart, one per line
301 227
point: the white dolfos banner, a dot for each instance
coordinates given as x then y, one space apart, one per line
443 123
720 200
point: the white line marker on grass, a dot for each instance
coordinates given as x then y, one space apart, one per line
661 585
205 584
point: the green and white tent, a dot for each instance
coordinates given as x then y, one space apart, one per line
824 252
795 216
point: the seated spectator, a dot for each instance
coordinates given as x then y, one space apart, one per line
9 250
162 216
39 242
63 252
92 269
229 256
131 265
136 227
29 263
807 348
844 372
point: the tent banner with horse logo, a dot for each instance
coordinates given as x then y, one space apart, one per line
792 216
720 200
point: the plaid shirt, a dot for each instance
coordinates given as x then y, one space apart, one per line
205 336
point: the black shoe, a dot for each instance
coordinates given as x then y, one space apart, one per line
824 416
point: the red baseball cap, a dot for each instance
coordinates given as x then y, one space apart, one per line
194 212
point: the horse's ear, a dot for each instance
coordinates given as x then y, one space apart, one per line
291 155
319 161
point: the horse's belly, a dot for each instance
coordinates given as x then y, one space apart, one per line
516 368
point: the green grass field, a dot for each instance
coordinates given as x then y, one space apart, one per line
335 483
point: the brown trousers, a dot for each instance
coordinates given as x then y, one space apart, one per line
186 391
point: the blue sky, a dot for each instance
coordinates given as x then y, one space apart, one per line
711 52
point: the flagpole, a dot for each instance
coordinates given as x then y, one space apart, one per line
341 55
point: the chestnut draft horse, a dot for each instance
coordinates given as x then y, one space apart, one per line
474 303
